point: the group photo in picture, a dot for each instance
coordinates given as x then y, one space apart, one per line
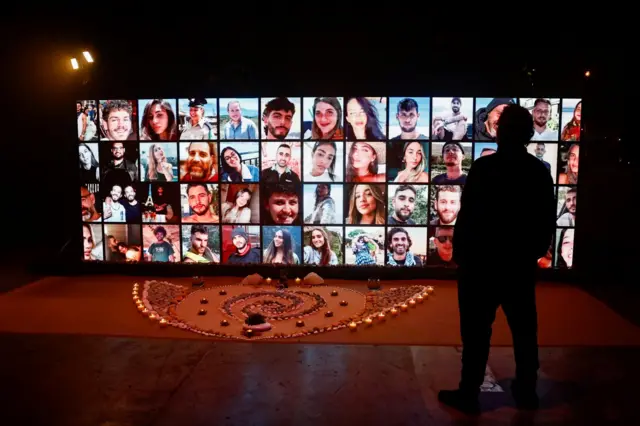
304 180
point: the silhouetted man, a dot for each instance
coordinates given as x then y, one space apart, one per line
507 277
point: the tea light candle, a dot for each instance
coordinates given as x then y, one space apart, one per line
381 316
163 323
202 312
268 280
412 303
368 322
334 293
420 299
430 289
222 292
394 311
204 301
343 303
328 314
224 323
153 316
136 298
353 326
248 332
299 323
145 311
135 292
298 280
425 295
404 307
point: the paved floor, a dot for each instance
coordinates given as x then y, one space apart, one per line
107 381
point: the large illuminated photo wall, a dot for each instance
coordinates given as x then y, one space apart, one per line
300 180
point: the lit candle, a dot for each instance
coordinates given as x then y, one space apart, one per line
224 323
404 307
204 301
412 303
299 323
163 322
268 280
140 306
298 280
394 311
135 292
420 299
429 289
202 312
248 332
153 316
334 293
222 292
343 303
328 314
368 322
353 326
381 316
145 311
136 298
425 295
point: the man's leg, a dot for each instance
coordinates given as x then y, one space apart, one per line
519 305
477 307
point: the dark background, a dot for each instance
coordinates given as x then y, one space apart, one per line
139 61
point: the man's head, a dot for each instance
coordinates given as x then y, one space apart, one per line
88 201
160 233
117 150
570 201
398 241
239 238
444 242
283 155
515 127
199 198
540 150
199 238
448 203
234 110
408 114
452 154
456 104
282 204
404 202
129 193
201 160
116 118
116 192
541 112
278 118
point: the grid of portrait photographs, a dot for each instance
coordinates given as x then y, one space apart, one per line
301 180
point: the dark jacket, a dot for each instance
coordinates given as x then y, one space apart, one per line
507 213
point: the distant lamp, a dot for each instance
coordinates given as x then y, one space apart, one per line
587 74
87 56
74 63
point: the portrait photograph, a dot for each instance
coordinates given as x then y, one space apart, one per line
89 162
198 161
158 120
323 245
546 117
440 247
408 205
200 243
570 120
87 121
366 118
406 247
408 161
198 119
118 120
547 153
239 162
122 243
485 121
281 162
564 248
452 119
450 162
199 203
92 242
241 245
90 202
323 204
119 162
281 204
568 162
240 119
409 118
567 203
159 162
323 161
240 203
445 204
322 118
161 243
364 246
282 245
366 204
281 118
366 161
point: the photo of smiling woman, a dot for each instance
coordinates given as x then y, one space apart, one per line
238 162
323 245
281 245
366 205
366 161
239 203
159 162
322 118
364 121
320 160
92 242
408 162
158 120
89 162
569 161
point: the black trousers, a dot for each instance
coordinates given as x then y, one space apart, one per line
480 293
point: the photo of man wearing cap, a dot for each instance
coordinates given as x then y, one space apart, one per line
243 252
488 111
451 157
198 119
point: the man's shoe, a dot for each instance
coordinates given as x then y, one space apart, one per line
466 402
525 398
